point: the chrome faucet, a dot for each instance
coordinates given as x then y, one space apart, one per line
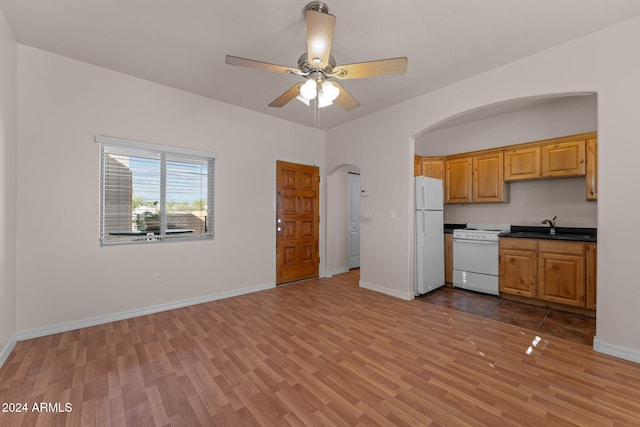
552 224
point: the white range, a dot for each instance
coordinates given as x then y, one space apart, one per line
475 257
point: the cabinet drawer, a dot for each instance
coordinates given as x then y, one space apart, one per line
569 248
516 243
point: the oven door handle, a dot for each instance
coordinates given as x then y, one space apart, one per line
475 242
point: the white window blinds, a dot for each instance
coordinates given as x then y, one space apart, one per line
151 193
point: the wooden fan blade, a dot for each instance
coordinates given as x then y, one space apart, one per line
363 70
250 63
290 94
319 37
344 99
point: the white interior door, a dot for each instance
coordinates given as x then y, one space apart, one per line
354 220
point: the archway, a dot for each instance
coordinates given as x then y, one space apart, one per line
513 122
340 216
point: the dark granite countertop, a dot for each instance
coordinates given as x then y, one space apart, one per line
448 228
576 234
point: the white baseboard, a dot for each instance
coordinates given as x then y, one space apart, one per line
338 271
98 320
392 292
6 351
616 351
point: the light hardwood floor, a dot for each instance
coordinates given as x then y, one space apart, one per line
318 352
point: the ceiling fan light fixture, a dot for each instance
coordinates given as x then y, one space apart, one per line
323 101
309 90
304 100
329 90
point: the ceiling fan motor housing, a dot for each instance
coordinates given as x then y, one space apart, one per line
306 68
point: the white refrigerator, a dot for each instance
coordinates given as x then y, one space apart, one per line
429 226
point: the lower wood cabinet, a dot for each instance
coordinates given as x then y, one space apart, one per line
448 258
518 273
592 270
560 272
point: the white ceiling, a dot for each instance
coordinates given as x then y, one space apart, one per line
183 43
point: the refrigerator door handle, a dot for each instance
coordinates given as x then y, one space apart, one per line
424 220
424 196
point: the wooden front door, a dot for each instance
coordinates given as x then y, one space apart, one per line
297 222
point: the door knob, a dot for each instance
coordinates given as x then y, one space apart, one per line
279 229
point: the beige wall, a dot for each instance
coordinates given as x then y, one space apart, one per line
530 202
63 273
8 146
382 146
555 117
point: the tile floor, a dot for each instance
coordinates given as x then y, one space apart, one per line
571 327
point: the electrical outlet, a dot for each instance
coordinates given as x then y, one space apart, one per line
157 279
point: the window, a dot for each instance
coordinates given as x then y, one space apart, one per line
151 193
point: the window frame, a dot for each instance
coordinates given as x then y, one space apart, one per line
165 154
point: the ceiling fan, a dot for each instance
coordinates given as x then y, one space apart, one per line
319 68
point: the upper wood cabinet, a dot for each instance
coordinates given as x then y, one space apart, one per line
480 176
488 178
592 169
416 165
522 164
458 180
475 179
563 160
432 167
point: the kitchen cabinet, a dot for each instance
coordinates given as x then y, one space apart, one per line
518 267
561 272
522 164
475 179
559 158
432 167
548 272
448 258
488 178
458 180
591 273
564 159
592 169
483 176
